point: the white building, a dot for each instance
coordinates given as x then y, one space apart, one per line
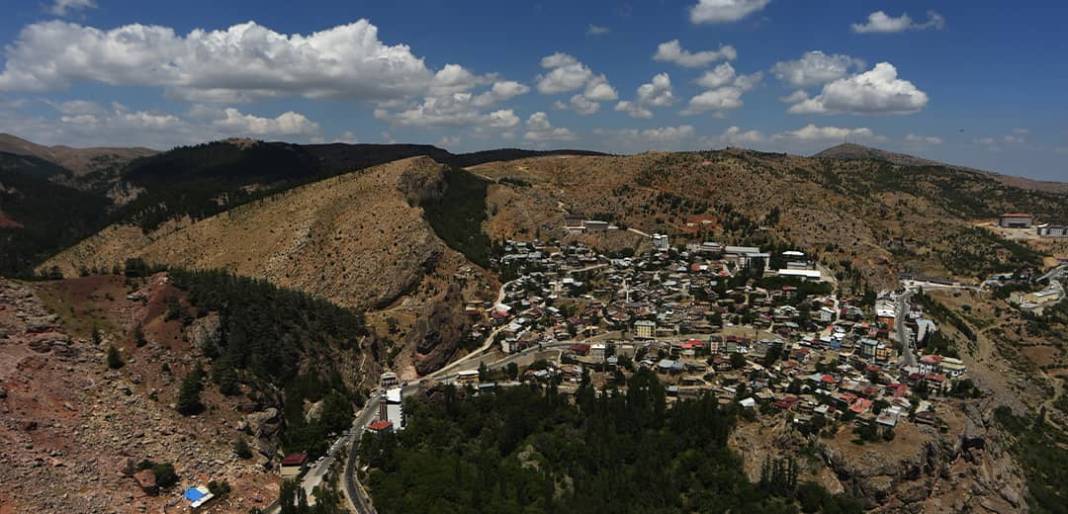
661 242
392 409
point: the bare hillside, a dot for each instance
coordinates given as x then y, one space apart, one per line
872 216
359 240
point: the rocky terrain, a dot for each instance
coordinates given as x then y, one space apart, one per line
72 430
960 467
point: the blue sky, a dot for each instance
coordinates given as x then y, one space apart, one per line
980 83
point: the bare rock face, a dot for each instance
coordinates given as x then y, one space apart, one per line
146 480
437 334
263 423
205 331
422 183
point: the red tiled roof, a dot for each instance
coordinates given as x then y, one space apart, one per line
295 459
380 425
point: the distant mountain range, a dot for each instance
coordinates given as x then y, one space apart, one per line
851 151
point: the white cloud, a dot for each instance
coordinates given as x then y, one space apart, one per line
717 77
500 92
286 124
540 130
811 132
736 136
65 7
815 68
797 96
85 123
582 105
922 140
995 144
726 93
656 93
599 90
241 62
877 91
597 30
717 100
447 141
457 109
881 23
633 109
566 74
659 138
722 11
672 51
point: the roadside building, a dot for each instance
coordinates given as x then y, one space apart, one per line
293 465
1016 220
661 242
392 409
1048 230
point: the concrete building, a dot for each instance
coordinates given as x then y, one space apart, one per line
1049 230
392 409
644 329
661 242
1016 220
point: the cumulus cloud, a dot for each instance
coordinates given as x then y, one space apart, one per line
500 92
724 11
567 74
877 91
455 110
996 144
581 105
736 136
673 52
243 61
725 93
717 77
881 23
658 138
286 124
811 132
65 7
597 30
656 93
86 123
916 139
815 68
540 130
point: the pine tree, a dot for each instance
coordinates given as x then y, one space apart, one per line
189 394
114 358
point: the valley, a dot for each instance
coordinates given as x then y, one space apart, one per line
268 292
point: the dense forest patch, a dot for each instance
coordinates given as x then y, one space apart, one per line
529 449
458 214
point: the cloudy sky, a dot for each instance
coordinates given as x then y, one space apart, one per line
982 84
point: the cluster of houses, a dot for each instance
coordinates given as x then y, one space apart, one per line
752 327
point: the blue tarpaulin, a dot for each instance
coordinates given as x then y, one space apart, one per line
193 494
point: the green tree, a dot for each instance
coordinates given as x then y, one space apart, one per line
114 358
189 393
242 449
